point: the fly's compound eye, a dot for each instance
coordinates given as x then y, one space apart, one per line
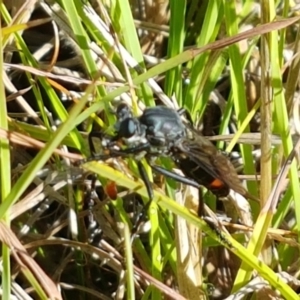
127 128
123 112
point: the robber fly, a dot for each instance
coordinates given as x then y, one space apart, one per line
161 131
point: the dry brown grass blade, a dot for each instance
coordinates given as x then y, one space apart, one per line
169 292
64 78
23 140
17 94
188 241
259 30
251 138
272 200
26 261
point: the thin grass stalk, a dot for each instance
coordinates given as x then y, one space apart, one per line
5 180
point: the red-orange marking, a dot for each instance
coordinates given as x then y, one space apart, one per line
217 183
111 190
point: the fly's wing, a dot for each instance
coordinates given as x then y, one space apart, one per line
198 156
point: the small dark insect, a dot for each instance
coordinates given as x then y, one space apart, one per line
161 131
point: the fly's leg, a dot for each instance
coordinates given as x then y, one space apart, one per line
184 180
175 176
142 215
146 180
201 212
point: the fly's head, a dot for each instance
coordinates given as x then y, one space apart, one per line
128 128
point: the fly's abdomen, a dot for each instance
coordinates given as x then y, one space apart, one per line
194 171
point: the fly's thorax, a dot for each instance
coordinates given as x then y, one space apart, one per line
163 125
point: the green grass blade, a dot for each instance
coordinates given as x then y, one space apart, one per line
5 181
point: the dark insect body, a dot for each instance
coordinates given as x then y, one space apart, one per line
161 131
